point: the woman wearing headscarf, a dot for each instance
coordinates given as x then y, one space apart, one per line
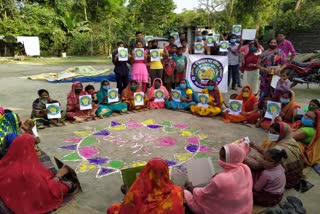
106 108
73 105
152 192
280 137
26 185
215 101
188 97
157 85
127 96
249 111
229 191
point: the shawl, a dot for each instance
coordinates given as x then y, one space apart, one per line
127 94
73 98
248 102
152 89
9 124
290 108
214 95
183 91
102 92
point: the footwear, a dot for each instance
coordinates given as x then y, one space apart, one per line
287 206
297 204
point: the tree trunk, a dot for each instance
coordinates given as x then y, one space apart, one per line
298 5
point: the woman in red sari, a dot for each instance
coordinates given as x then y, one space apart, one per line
249 111
152 192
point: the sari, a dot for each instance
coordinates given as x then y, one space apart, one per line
105 108
152 192
26 185
127 97
215 96
248 105
153 104
229 191
311 153
171 104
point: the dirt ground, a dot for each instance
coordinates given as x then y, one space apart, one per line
99 192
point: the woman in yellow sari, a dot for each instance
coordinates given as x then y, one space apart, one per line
127 96
215 101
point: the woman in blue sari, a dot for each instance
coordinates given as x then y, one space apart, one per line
105 108
188 97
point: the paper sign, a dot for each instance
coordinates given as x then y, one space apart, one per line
113 95
200 171
274 81
54 110
85 102
176 95
35 131
300 111
154 55
138 98
249 34
210 40
273 109
236 29
158 95
123 54
224 46
198 47
148 38
203 100
245 140
235 107
216 37
175 35
139 54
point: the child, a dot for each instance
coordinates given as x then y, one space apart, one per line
91 90
181 65
169 66
269 188
283 85
139 68
120 69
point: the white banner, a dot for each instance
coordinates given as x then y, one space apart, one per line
202 68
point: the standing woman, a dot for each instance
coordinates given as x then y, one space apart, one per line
271 62
139 68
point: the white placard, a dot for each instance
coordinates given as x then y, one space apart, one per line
198 47
54 111
273 110
249 34
274 81
159 95
85 102
113 95
203 100
123 54
210 41
138 98
154 55
139 54
176 95
236 29
235 107
216 37
175 35
200 171
35 131
148 38
300 111
223 46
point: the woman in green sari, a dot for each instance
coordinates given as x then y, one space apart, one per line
106 108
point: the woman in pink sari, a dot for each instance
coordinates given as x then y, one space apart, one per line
229 191
157 85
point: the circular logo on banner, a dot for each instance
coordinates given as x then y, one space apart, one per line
236 29
203 99
159 94
138 53
85 101
112 93
123 53
206 69
155 54
53 109
235 106
273 108
138 97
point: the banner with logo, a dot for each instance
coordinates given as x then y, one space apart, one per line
202 68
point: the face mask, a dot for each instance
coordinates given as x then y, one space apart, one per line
154 46
77 91
307 122
44 100
183 86
284 101
253 49
210 87
233 41
312 108
272 47
238 40
204 37
156 86
245 94
133 88
107 87
273 137
198 38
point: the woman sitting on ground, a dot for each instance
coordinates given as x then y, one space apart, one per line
26 185
249 111
215 101
152 192
280 137
157 85
106 108
73 105
229 191
269 187
40 111
188 97
127 96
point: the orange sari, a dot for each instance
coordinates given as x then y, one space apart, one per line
152 192
127 96
247 106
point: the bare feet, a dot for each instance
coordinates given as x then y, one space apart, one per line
63 171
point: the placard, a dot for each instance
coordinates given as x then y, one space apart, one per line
155 55
200 171
249 34
139 54
176 95
113 95
85 102
138 98
236 29
159 95
175 35
274 81
273 109
123 54
35 131
210 41
198 47
203 100
148 38
224 46
216 37
54 111
235 107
